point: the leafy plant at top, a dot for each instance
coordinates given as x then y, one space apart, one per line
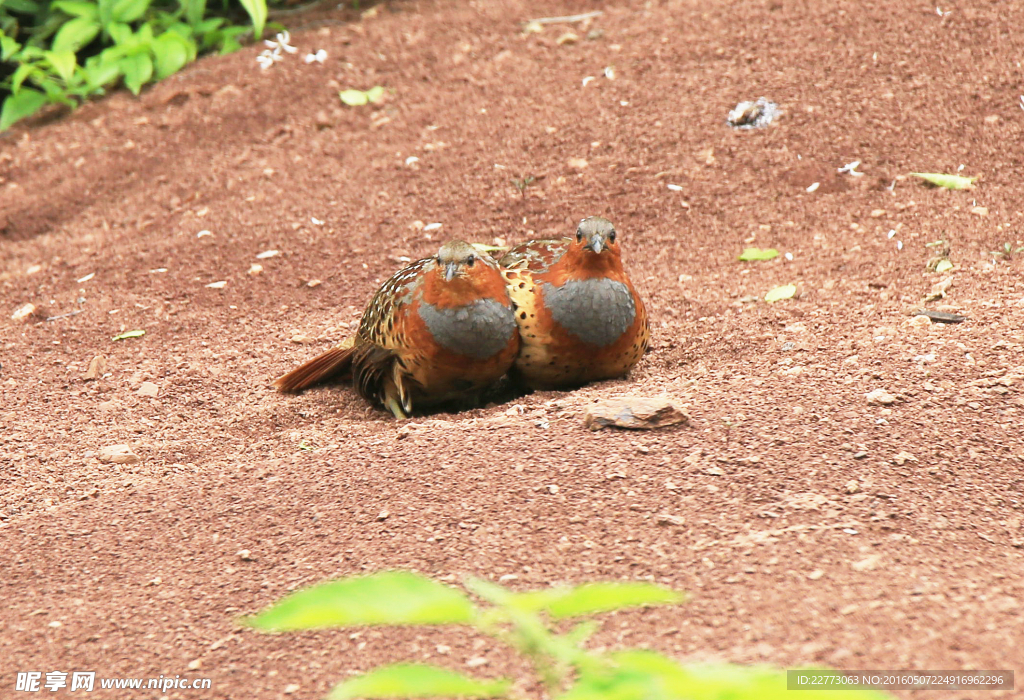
750 254
952 182
520 620
71 49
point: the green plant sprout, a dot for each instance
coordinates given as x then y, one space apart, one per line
522 183
522 621
1008 250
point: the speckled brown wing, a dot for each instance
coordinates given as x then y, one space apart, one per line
520 267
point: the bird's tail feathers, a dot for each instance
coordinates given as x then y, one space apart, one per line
336 363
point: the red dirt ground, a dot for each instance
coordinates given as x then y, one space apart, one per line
133 570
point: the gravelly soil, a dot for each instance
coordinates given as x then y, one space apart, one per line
809 525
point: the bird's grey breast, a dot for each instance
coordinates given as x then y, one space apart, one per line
597 311
478 330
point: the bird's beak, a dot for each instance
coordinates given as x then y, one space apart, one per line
597 244
449 271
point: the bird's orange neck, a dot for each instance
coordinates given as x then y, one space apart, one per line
577 263
483 282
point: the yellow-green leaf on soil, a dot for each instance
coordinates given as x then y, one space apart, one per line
952 182
417 681
943 265
786 291
385 598
129 334
750 254
358 98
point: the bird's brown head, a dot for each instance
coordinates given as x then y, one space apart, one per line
596 235
463 273
457 259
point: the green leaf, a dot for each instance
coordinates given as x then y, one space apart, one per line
100 72
952 182
129 334
750 254
120 33
257 10
385 598
8 47
417 681
354 98
78 8
23 104
943 265
128 10
63 62
358 98
21 73
639 675
137 69
26 7
786 291
590 598
75 33
172 53
194 11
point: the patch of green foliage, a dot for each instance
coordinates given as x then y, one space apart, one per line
522 621
752 254
64 51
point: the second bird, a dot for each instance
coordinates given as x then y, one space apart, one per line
580 318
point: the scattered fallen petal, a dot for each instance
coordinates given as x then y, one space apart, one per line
88 277
433 227
255 269
676 188
568 38
217 285
129 334
203 234
813 186
635 413
23 312
267 254
588 79
786 291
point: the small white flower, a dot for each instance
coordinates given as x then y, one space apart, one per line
269 58
589 79
282 43
320 56
961 168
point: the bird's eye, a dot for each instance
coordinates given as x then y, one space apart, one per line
438 259
579 235
470 260
611 236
